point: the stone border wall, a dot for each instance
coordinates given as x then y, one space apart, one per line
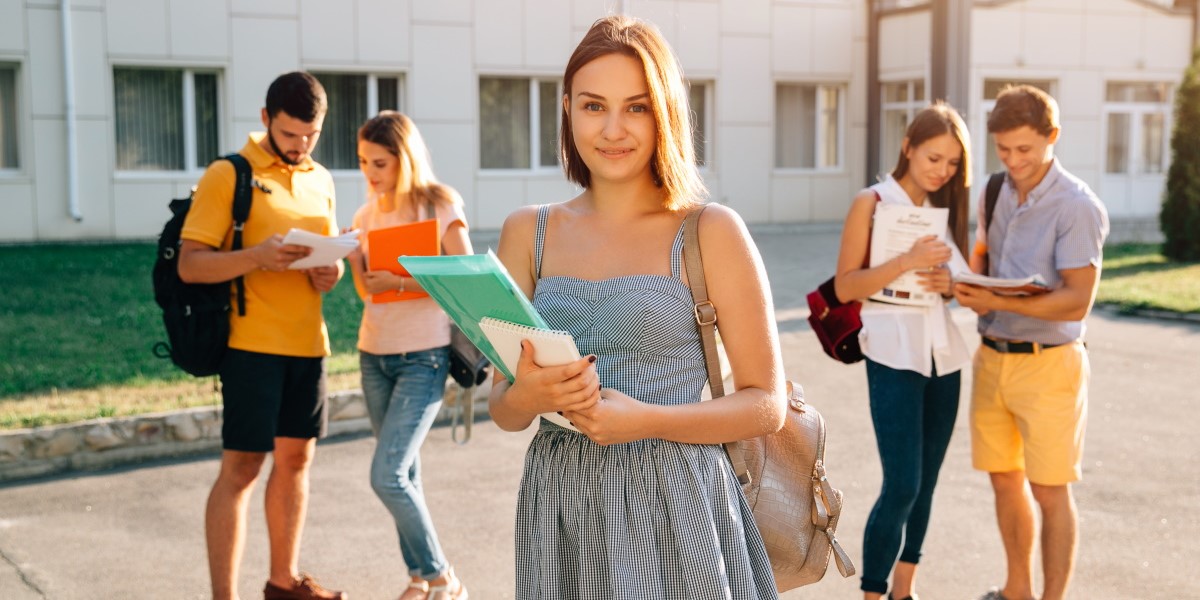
116 441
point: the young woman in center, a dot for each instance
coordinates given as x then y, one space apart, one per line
914 353
641 502
404 345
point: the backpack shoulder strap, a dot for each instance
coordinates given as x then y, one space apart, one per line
867 258
990 196
243 194
706 319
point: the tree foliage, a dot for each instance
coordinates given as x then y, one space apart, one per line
1180 215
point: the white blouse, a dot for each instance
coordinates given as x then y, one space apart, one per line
912 338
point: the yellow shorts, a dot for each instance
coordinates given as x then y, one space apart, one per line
1028 412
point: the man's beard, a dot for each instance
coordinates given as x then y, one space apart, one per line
280 153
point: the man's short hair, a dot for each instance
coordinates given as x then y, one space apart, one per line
298 94
1023 105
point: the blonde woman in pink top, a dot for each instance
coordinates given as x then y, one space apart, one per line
404 345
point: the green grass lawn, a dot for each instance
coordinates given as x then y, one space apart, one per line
1137 276
77 324
78 321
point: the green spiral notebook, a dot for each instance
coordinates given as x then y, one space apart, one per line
471 287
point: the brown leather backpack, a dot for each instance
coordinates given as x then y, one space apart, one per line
782 474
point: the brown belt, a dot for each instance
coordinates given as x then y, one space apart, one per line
1007 347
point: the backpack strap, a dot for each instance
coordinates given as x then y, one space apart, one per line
878 201
242 196
995 182
706 320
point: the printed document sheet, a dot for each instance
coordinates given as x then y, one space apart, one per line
895 229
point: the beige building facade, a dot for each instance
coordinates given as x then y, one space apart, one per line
111 108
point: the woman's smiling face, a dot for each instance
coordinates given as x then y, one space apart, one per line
932 164
612 123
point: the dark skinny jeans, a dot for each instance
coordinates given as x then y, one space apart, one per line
913 417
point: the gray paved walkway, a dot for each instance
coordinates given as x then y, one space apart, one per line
137 533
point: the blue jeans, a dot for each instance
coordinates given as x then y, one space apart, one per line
913 417
403 393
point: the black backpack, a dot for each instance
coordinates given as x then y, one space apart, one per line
196 315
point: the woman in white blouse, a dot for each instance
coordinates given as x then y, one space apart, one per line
914 353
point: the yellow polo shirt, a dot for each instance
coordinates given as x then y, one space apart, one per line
283 310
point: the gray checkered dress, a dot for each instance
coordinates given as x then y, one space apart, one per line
647 519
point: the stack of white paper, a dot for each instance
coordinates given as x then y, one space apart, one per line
326 249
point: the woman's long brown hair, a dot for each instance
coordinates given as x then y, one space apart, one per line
932 121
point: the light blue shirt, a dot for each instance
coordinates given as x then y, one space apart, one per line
1062 225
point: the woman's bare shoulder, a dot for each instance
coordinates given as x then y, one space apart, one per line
520 223
722 226
866 196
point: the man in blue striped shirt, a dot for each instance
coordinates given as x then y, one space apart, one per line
1029 402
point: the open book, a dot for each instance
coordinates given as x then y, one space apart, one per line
326 249
1027 286
550 349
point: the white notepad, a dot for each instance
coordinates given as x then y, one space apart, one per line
551 348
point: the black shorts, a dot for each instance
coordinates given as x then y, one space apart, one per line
268 396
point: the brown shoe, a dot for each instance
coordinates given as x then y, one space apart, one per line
304 588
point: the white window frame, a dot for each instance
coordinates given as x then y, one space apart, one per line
820 129
18 105
372 93
535 127
190 157
535 123
911 107
1135 159
705 159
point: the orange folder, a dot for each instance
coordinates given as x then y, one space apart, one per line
385 246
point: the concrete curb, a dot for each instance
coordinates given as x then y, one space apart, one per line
105 443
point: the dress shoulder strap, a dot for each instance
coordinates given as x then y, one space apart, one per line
677 252
539 238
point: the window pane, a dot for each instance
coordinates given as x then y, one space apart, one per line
8 118
1118 92
697 99
992 87
898 4
1153 134
1137 92
347 95
149 119
388 93
549 107
830 121
795 126
895 92
1118 143
919 90
895 123
207 144
503 123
